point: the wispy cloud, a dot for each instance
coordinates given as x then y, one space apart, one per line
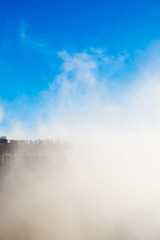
86 76
38 44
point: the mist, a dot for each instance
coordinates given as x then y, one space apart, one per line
107 185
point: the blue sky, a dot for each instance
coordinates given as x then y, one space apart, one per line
33 34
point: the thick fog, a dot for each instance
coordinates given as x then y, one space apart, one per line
108 185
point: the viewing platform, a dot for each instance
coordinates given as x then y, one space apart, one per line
15 150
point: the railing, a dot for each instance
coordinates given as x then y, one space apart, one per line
12 150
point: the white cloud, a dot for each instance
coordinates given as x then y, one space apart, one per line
83 85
